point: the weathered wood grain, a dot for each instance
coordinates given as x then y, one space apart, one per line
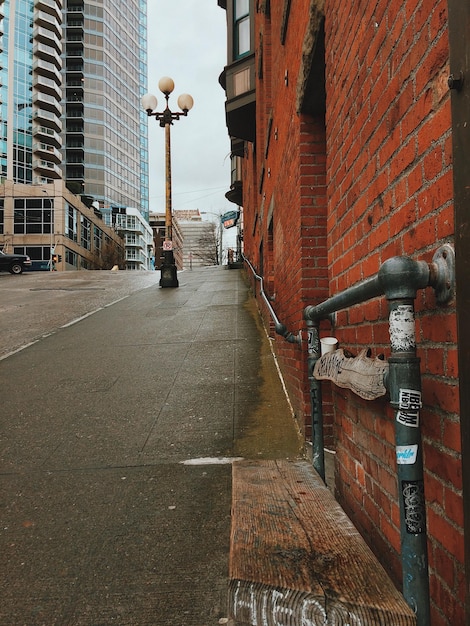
296 558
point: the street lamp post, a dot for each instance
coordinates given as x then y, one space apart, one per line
168 277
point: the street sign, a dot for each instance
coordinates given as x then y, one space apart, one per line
167 245
230 219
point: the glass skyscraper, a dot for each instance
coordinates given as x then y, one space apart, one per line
72 74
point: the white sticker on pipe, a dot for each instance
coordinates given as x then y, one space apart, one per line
406 455
402 328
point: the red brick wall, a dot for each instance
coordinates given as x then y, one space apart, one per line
285 197
345 193
389 185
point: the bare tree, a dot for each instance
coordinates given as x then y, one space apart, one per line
109 255
208 245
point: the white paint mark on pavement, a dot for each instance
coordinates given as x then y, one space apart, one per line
219 460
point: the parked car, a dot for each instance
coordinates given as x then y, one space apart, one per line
14 263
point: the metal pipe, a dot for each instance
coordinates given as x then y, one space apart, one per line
405 271
316 406
365 290
280 328
404 384
398 279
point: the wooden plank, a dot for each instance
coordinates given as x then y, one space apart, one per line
296 558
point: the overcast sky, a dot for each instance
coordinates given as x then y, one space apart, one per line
187 41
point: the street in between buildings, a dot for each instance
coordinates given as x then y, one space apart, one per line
121 407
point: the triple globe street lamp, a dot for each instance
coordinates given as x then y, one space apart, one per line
168 276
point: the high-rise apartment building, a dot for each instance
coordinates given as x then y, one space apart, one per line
72 74
105 73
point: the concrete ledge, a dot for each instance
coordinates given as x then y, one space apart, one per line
296 558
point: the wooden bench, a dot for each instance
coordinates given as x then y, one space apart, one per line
297 560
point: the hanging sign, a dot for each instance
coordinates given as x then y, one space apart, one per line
230 219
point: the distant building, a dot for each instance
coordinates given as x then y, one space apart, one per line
138 239
157 223
199 242
47 220
71 78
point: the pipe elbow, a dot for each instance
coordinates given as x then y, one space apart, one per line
310 314
401 277
281 329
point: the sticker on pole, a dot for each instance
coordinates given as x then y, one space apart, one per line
414 506
167 246
406 455
409 405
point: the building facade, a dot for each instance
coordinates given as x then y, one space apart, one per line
200 241
105 73
348 131
138 239
56 230
158 225
71 78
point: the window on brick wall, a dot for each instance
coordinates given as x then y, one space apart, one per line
269 264
241 28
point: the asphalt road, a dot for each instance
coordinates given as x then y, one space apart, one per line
35 304
117 431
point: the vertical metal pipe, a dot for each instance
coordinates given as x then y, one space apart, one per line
313 355
405 396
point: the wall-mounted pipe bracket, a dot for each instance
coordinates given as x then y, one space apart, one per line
442 273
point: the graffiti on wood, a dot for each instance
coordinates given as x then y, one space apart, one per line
361 374
256 603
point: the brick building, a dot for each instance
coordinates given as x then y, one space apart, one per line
348 149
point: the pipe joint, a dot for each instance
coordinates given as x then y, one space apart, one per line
400 277
281 329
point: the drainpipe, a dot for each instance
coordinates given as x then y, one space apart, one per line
279 327
400 278
316 406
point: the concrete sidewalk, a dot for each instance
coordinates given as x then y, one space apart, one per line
116 436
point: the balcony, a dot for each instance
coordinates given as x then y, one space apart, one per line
47 152
72 65
74 113
46 118
52 7
48 37
47 135
51 70
47 102
75 127
49 169
47 53
50 22
75 173
49 86
238 80
74 50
